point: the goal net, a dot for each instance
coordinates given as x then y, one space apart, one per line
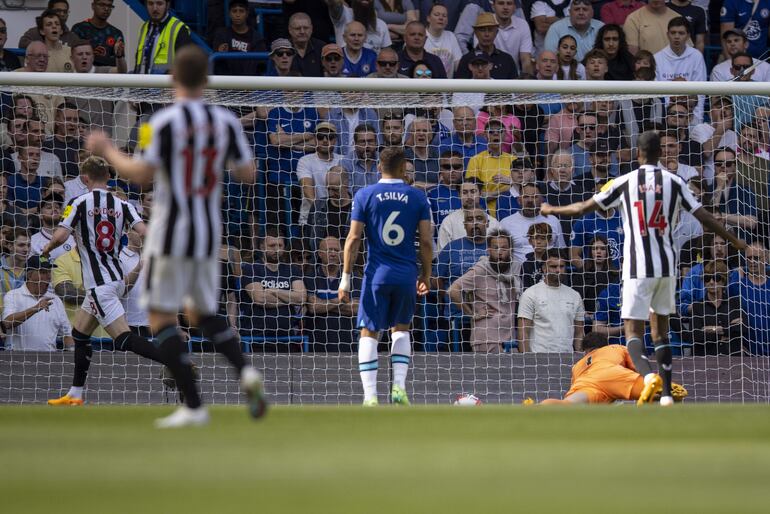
487 154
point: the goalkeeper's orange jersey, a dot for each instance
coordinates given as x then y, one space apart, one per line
603 364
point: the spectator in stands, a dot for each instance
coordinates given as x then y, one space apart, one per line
512 135
96 113
8 60
17 137
25 187
308 59
422 153
49 164
579 25
273 292
445 197
349 117
522 172
82 57
718 133
457 257
539 237
716 320
646 28
599 270
440 41
480 66
49 25
616 11
453 225
606 318
387 65
734 42
65 141
736 202
569 67
160 38
464 29
362 11
493 166
34 317
751 143
606 224
693 289
514 36
50 215
359 61
677 59
546 65
13 262
487 293
464 138
544 14
585 139
291 134
281 56
518 224
391 127
612 40
397 15
562 125
753 288
671 158
561 188
739 67
596 64
62 9
696 20
238 37
736 15
339 203
551 314
108 42
332 60
311 172
414 51
331 322
503 64
454 9
600 157
323 29
361 162
36 61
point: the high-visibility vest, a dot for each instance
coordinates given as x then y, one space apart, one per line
163 50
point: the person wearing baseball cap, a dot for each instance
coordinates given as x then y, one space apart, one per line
581 25
750 17
332 60
238 37
503 65
734 41
32 316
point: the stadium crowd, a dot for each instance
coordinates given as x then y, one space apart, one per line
505 277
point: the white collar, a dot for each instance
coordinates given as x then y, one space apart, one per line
391 181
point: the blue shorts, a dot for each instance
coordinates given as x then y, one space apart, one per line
383 306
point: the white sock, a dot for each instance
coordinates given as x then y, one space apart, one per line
76 392
400 353
249 375
367 366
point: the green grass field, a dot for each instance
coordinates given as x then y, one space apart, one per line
693 458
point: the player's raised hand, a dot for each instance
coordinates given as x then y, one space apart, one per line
546 209
97 141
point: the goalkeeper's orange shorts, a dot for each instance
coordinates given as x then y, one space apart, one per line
605 385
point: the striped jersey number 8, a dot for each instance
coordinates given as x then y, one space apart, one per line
392 229
105 236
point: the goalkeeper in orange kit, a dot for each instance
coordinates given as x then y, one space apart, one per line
606 373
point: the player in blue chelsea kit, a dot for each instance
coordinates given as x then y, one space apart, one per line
390 213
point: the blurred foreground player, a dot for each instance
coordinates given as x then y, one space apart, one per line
391 213
605 374
649 199
185 148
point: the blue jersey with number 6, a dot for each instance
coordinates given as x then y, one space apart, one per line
391 211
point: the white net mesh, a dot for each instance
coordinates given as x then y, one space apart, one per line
538 147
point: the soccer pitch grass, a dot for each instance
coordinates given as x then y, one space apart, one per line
691 458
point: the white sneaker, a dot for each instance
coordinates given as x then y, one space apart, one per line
184 417
666 401
252 384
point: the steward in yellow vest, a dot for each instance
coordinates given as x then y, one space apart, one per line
159 39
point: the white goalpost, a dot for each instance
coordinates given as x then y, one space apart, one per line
285 232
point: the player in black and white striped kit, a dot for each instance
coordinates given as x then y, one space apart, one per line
185 148
98 219
650 200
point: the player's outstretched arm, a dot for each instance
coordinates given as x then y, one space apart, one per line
711 224
426 256
60 235
349 255
134 170
572 210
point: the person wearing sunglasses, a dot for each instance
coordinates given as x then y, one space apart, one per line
420 70
282 56
387 65
312 169
716 320
719 132
414 52
332 60
737 202
8 61
734 42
